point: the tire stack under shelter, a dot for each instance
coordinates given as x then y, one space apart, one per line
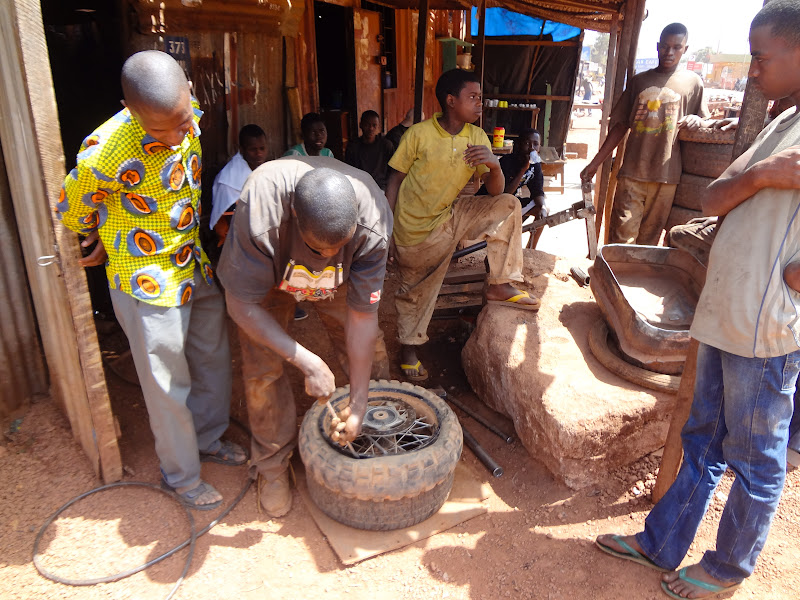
705 154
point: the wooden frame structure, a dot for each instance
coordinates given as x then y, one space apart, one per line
29 131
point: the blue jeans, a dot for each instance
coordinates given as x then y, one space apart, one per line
794 427
746 429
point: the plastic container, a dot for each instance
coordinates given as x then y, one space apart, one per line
498 139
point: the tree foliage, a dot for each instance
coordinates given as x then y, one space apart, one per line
599 52
703 55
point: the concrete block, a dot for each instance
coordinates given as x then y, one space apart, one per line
580 148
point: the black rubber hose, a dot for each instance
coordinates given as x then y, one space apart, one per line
123 574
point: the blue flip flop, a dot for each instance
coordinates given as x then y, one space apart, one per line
629 554
716 590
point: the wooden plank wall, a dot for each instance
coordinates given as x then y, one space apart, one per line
441 23
259 77
28 125
253 87
22 369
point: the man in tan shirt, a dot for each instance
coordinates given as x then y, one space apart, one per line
655 105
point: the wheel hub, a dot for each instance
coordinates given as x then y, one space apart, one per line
387 418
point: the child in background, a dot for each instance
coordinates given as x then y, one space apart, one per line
523 168
315 136
229 182
371 152
395 134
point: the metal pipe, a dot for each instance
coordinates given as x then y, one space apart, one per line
482 455
580 276
480 245
508 439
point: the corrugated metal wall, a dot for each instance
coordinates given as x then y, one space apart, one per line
22 370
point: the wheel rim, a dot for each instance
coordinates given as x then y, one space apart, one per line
394 423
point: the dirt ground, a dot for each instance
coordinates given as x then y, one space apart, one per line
536 541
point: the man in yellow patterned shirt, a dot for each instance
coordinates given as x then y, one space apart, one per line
137 187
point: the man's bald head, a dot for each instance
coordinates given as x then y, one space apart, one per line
325 206
154 80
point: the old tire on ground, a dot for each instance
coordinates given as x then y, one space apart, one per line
598 343
382 492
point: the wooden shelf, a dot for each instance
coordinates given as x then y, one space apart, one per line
534 110
534 113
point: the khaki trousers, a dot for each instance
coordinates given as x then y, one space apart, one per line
695 237
422 267
640 211
270 402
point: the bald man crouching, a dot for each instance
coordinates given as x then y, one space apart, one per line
313 229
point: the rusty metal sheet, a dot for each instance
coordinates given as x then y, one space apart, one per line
366 28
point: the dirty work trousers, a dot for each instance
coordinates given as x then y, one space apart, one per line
695 237
183 361
422 267
640 211
739 420
270 402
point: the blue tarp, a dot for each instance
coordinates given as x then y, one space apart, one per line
502 22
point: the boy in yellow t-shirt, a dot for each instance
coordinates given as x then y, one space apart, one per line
434 161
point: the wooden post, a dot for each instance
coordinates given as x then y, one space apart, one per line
611 71
673 450
611 74
631 24
419 80
751 118
30 133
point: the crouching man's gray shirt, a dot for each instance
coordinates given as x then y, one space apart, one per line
264 249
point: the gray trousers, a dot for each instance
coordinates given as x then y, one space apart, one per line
183 361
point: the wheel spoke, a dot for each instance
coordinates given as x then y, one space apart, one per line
392 426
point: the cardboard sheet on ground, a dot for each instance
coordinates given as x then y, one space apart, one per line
353 545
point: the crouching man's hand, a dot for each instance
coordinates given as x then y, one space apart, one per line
347 426
320 382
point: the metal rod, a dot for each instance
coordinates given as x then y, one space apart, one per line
482 455
508 439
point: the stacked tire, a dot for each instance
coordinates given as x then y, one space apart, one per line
705 154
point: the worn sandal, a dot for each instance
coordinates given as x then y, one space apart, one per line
226 455
421 373
514 302
716 590
190 498
628 554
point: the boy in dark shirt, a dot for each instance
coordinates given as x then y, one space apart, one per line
371 152
523 168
